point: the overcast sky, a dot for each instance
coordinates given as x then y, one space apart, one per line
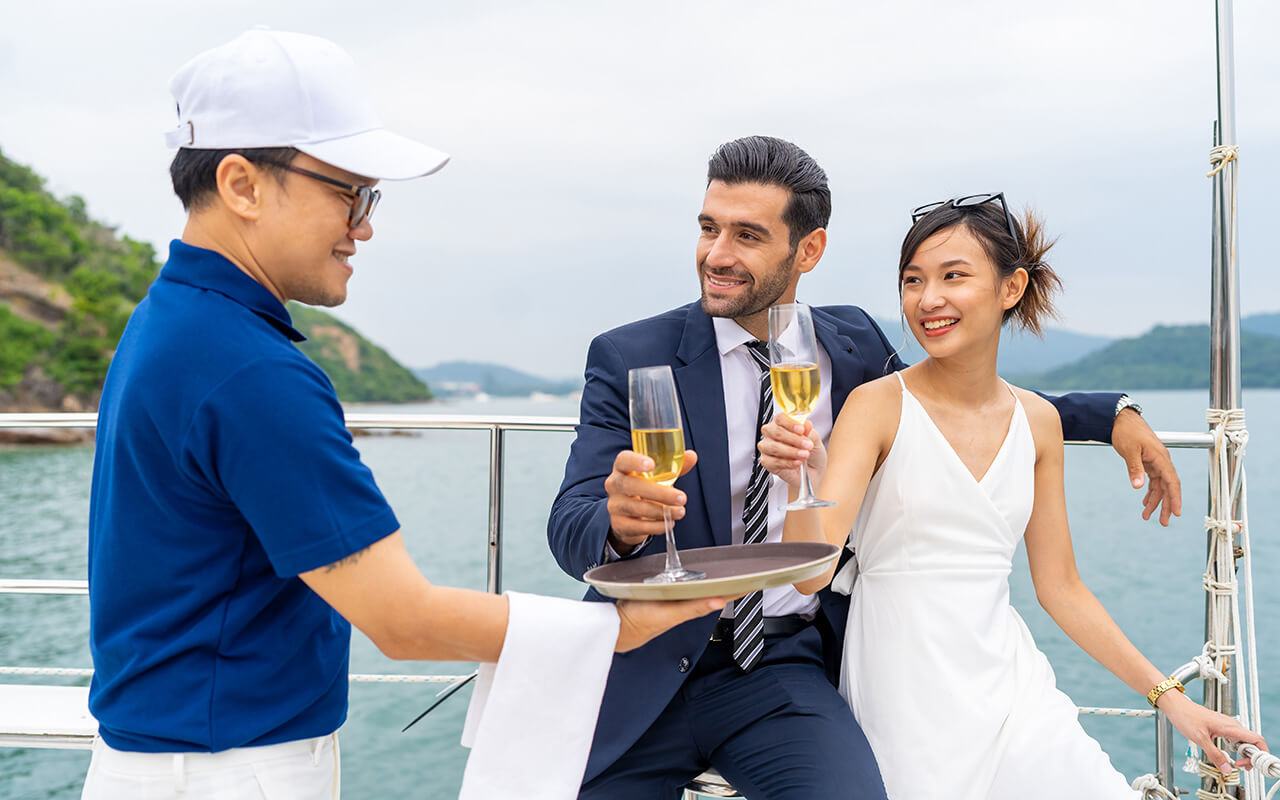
580 132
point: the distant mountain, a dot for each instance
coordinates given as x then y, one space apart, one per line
1166 357
1262 323
468 377
1020 352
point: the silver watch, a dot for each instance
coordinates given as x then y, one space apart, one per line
1124 402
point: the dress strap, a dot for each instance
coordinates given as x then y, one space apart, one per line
1016 400
901 382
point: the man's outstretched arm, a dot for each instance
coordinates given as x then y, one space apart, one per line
381 591
1091 416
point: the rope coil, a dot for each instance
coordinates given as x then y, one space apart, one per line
1151 788
1222 155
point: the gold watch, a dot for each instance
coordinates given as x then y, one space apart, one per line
1163 686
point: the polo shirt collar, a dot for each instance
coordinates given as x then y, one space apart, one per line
207 269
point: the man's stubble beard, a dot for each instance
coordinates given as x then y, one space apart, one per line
314 292
763 295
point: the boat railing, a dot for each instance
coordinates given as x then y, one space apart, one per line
496 426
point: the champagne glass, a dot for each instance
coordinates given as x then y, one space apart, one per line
793 373
656 432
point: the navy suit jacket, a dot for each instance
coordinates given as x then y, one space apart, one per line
643 681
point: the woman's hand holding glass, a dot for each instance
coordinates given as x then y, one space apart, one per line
786 445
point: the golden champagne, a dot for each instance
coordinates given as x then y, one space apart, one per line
666 447
795 388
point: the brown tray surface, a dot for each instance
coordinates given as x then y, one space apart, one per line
731 569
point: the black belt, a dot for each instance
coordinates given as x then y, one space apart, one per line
789 625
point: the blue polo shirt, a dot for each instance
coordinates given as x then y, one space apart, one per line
222 470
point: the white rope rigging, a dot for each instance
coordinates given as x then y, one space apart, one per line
1231 634
1151 788
1205 662
1220 156
1096 711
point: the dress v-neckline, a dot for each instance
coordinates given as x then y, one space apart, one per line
1004 443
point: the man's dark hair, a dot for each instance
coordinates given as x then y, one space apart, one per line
776 162
194 172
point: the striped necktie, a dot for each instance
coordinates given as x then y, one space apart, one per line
748 628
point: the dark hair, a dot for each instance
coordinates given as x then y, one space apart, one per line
775 162
988 224
194 172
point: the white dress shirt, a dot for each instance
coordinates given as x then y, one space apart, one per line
741 376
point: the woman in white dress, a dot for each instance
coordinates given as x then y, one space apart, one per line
956 466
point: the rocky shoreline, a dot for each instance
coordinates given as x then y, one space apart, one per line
37 393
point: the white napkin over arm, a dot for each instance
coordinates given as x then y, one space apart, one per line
533 714
843 581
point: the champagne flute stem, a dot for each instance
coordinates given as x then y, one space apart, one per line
673 558
806 489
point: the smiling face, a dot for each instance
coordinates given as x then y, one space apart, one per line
303 242
951 295
745 260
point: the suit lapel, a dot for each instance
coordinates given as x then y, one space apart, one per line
846 361
701 390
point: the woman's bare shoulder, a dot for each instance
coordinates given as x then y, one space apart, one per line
874 406
1045 423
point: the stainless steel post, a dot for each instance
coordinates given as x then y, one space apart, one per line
496 440
1165 767
1224 354
1224 359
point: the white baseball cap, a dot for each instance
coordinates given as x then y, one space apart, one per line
274 89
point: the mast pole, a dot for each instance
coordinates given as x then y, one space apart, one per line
1224 363
1224 356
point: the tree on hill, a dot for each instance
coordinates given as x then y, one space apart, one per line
56 354
105 275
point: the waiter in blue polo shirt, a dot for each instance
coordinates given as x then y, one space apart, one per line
234 535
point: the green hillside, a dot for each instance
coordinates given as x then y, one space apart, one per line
360 370
69 283
1166 357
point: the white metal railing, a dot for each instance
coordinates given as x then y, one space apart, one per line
497 427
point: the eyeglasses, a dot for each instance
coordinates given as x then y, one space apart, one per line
966 202
364 198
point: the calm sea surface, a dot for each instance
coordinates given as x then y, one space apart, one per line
1147 576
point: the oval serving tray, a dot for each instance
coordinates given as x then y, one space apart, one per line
731 570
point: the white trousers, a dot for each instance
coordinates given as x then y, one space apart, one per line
306 769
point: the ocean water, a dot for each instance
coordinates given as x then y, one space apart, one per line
1146 575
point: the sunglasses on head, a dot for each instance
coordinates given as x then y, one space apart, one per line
969 201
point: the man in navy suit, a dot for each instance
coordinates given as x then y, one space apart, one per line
776 728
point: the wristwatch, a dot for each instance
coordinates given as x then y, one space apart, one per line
1124 402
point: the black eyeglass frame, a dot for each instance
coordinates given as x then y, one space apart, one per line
364 198
919 212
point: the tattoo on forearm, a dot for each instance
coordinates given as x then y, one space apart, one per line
351 559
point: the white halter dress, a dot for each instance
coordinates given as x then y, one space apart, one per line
939 669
